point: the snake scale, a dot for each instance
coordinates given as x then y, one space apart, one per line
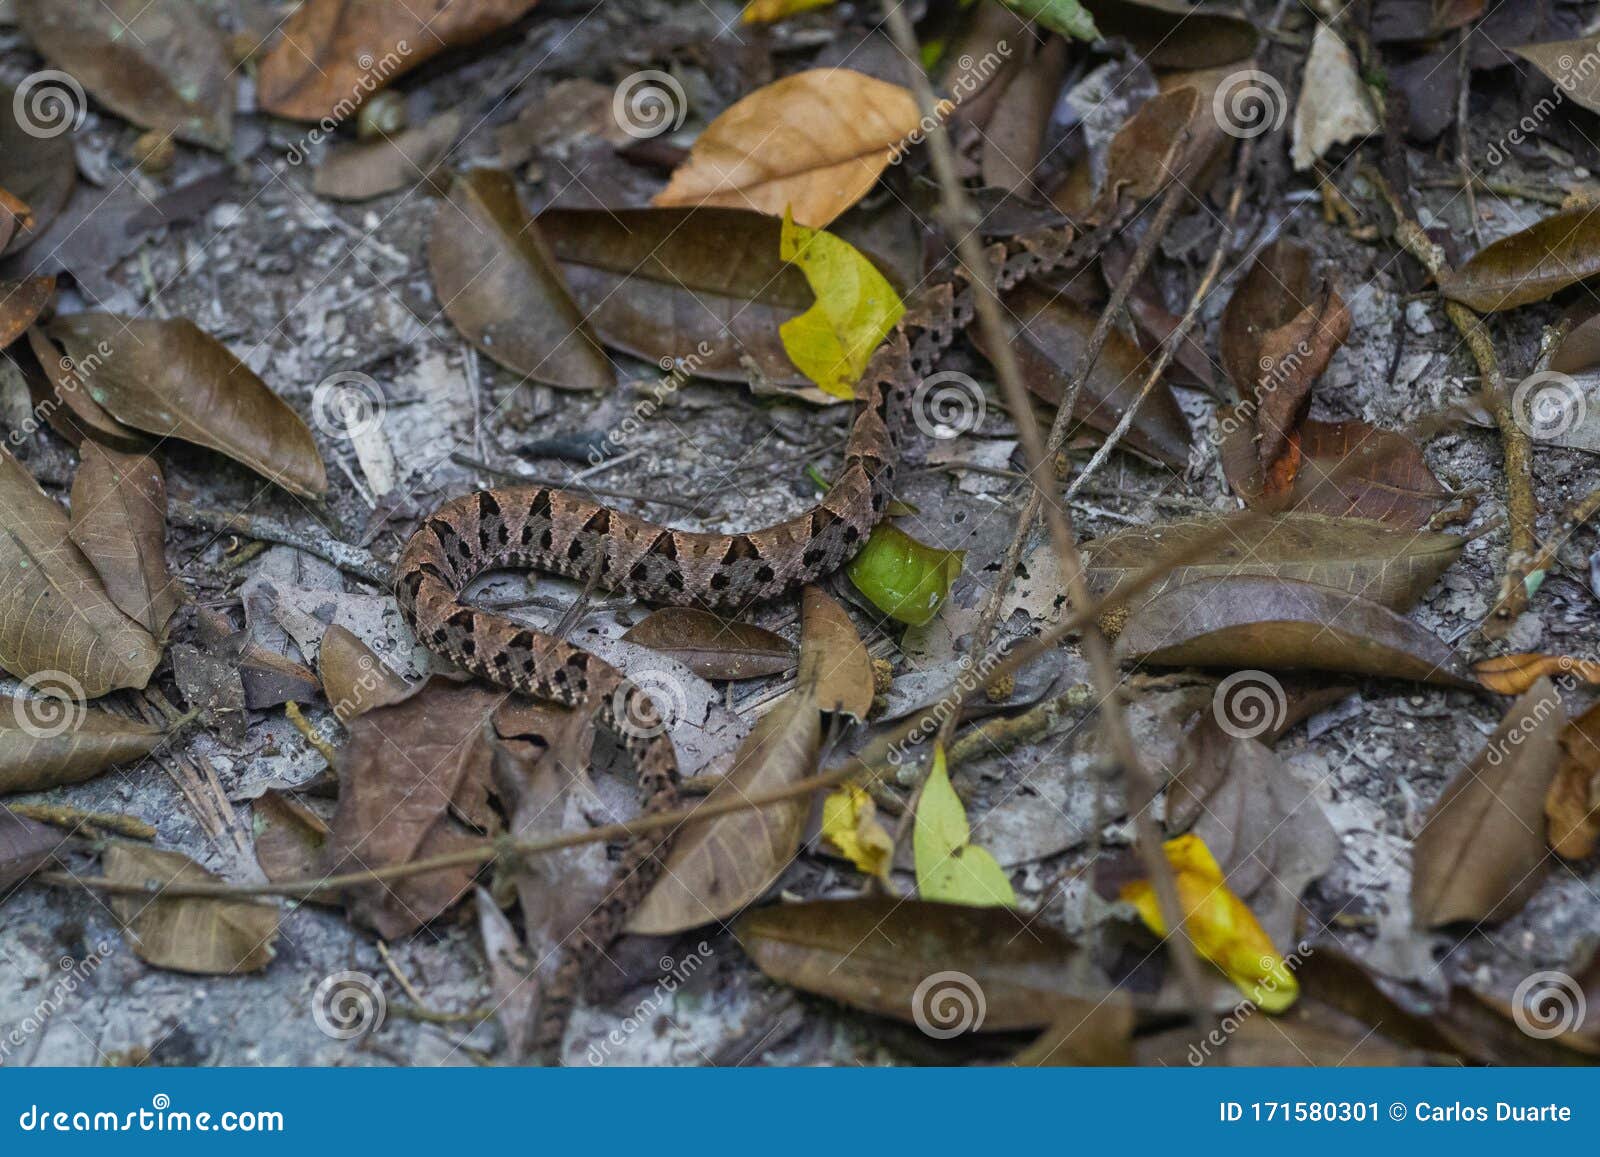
545 529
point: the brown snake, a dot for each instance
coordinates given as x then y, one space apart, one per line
539 528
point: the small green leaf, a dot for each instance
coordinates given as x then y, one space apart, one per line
856 307
1068 17
905 579
951 868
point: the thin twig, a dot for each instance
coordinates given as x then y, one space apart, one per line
957 210
351 559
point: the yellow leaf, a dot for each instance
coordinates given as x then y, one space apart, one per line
766 11
856 307
951 868
850 823
1222 928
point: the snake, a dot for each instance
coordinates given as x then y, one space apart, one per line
530 527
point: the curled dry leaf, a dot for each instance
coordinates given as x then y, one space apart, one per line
1528 266
1334 107
1048 339
336 53
879 953
1279 332
21 303
56 620
161 64
1481 851
119 521
1371 560
812 143
711 646
1389 479
360 172
289 836
38 172
188 933
25 847
1514 674
1013 137
46 742
354 679
405 773
1572 804
499 282
1254 622
172 379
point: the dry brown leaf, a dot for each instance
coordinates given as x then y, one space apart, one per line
289 836
1563 62
812 144
500 285
1528 266
56 621
1481 854
25 847
172 379
21 303
1013 136
1371 560
404 774
370 169
189 933
161 64
919 961
119 521
835 669
718 866
336 53
711 646
39 172
354 679
1253 622
46 742
1572 805
58 393
1389 480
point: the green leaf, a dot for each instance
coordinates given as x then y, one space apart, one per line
1068 17
951 868
856 307
905 579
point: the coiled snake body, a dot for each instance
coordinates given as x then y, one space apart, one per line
539 528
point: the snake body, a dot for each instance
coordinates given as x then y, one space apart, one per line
545 529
